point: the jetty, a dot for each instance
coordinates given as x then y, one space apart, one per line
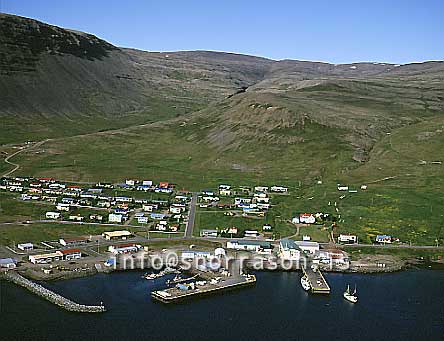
51 296
191 290
318 284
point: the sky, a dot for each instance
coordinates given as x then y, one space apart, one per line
336 31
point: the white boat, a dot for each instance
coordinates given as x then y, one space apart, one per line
305 283
350 296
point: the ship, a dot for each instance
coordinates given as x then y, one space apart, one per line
350 296
305 283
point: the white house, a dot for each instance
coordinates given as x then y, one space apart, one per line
348 238
7 263
251 233
130 182
124 248
342 188
25 246
62 207
288 250
310 247
115 218
307 218
225 192
195 255
208 233
279 189
261 189
142 220
53 215
255 246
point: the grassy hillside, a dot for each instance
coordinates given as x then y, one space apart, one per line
203 118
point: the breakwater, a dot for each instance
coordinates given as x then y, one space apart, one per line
51 296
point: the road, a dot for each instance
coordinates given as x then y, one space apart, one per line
191 216
17 166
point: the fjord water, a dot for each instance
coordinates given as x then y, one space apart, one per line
400 306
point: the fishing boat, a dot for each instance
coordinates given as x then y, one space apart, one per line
350 296
305 283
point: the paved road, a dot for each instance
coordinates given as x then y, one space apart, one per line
191 217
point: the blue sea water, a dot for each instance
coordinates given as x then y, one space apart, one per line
399 306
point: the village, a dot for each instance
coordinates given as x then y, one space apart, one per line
139 220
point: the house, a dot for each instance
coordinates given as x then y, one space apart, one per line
150 207
347 239
225 192
147 183
195 255
73 241
142 220
71 254
157 216
310 247
384 239
262 189
52 215
96 217
115 218
164 184
254 246
117 235
342 188
76 217
251 234
306 238
8 263
307 218
208 233
279 189
130 182
333 256
124 248
176 209
25 246
288 250
239 201
266 227
46 258
232 230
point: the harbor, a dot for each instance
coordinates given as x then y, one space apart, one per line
317 282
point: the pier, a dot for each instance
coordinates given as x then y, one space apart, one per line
317 281
176 294
51 296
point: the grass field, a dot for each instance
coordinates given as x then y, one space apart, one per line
407 204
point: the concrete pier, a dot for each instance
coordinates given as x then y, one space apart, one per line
51 296
174 294
317 281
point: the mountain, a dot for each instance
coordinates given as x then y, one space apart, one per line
199 118
52 78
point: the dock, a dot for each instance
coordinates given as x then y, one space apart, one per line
176 294
317 281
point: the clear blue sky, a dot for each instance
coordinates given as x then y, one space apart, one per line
397 31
